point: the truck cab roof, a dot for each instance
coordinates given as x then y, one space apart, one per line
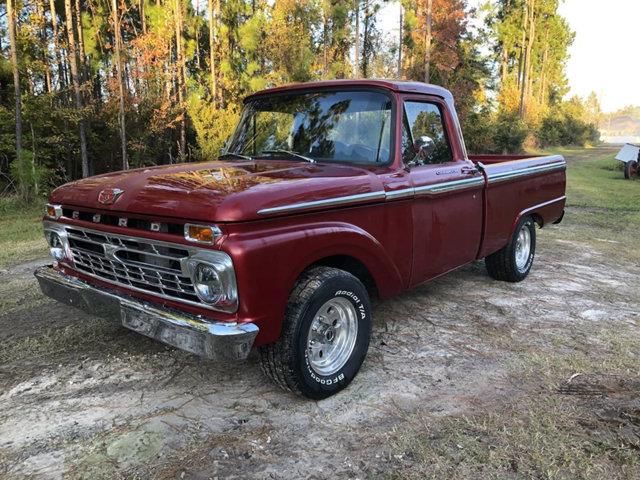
399 86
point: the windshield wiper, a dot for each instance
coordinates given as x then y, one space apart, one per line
235 155
292 154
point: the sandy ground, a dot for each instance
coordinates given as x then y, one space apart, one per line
84 398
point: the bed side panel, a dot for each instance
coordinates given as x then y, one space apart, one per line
528 186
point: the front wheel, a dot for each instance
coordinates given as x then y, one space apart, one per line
630 170
325 335
513 262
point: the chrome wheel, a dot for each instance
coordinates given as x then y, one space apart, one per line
332 336
523 247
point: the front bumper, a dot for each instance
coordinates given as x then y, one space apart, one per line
213 340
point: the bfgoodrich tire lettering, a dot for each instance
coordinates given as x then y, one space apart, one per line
290 362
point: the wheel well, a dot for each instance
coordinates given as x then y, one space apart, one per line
355 267
537 219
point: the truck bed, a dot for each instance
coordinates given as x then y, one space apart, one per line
519 185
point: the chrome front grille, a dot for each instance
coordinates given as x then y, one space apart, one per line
141 264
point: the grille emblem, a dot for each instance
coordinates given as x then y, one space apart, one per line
122 221
108 196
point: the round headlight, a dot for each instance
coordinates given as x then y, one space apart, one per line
207 283
57 247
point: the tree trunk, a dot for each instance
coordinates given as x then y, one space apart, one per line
523 43
43 45
366 47
197 27
400 42
11 24
524 85
427 40
81 53
75 79
504 59
543 69
325 41
212 6
356 72
62 80
180 77
143 19
118 41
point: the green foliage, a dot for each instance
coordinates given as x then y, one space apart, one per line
257 44
213 126
501 133
28 175
567 124
558 129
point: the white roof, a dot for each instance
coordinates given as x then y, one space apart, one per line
629 153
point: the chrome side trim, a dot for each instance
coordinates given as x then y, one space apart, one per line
521 172
449 186
391 195
329 202
400 193
541 205
433 189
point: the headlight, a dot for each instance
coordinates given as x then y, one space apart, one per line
214 279
56 246
207 283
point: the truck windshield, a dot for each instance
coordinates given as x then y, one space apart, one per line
325 126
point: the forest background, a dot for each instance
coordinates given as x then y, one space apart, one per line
89 86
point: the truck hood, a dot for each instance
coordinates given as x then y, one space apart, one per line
217 191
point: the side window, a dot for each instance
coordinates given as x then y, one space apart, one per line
424 120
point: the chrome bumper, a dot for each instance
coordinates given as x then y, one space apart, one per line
213 340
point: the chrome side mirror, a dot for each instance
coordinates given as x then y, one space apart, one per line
424 147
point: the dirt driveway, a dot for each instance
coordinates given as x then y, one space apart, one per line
82 397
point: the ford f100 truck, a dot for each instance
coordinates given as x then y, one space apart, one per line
327 194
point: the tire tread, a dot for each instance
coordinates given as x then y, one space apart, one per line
275 358
501 265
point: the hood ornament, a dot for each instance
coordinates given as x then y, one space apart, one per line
108 196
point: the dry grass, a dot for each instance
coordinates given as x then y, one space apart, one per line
577 414
21 236
579 418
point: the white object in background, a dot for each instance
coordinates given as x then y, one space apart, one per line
629 153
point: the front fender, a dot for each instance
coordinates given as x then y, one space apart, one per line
269 260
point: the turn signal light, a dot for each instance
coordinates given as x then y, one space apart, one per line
201 233
53 211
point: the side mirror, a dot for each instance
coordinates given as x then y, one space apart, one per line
424 147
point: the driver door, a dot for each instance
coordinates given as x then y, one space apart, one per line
447 209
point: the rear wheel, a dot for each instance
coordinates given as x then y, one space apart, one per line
631 170
513 262
325 335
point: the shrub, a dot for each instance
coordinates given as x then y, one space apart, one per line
28 175
213 126
562 128
487 132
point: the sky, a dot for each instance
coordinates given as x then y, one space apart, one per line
605 55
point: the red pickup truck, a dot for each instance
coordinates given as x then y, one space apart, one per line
327 194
